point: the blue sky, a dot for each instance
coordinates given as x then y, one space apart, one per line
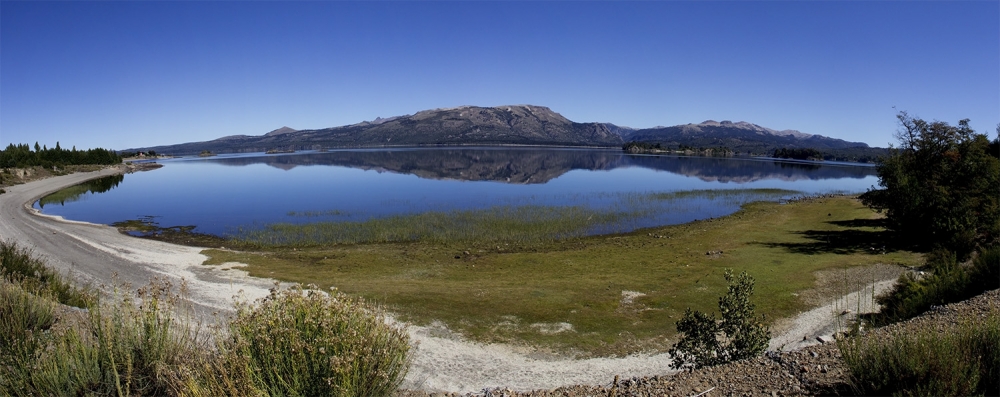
130 74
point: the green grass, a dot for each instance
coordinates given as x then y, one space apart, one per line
520 291
961 361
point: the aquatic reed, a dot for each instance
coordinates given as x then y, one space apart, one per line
516 223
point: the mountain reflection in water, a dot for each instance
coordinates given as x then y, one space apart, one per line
217 195
530 166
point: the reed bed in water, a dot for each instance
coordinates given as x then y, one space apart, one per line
521 223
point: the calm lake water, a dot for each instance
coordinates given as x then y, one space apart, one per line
220 194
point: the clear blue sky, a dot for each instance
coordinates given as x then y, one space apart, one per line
130 74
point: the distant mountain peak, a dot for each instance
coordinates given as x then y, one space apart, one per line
281 131
697 128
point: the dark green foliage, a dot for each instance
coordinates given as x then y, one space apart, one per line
962 361
739 335
798 154
642 147
21 156
939 188
985 272
855 154
946 282
634 147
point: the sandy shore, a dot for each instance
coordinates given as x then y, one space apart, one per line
93 254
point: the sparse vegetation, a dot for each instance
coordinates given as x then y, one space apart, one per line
961 361
522 225
291 343
946 281
18 265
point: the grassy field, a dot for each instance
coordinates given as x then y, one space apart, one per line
601 295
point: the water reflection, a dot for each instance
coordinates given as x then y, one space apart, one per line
533 166
75 193
216 195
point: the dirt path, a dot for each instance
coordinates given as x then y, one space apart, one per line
93 254
443 362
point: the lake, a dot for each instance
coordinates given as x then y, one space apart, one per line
225 194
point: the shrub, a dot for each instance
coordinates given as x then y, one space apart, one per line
308 343
948 282
964 361
985 273
739 335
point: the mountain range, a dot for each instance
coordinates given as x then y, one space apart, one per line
509 125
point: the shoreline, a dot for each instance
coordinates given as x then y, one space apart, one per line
442 361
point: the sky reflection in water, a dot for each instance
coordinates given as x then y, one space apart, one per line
220 193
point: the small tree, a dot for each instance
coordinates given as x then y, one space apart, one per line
739 335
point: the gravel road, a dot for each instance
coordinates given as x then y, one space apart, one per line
94 254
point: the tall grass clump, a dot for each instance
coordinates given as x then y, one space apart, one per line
24 321
964 361
947 281
123 348
20 266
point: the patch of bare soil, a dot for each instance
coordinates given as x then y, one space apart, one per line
832 283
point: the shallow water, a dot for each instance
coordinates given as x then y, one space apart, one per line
216 195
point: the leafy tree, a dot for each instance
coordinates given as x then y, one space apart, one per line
939 188
739 335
